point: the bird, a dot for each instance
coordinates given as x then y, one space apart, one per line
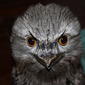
46 47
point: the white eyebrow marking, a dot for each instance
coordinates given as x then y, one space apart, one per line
59 34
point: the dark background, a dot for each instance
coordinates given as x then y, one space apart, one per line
9 10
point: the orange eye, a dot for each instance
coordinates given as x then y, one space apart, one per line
31 41
63 40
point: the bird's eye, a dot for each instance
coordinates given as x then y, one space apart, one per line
62 40
31 42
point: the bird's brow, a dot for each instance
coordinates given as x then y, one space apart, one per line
33 36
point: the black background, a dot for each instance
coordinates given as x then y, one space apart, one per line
9 10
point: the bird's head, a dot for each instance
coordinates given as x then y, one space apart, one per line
46 36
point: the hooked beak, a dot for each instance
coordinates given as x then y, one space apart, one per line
48 62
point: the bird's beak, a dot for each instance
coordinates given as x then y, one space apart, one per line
48 62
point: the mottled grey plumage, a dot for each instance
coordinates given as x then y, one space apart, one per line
48 63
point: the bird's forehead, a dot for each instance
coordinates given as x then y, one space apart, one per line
52 31
47 22
48 30
44 21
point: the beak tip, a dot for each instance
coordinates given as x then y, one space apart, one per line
48 67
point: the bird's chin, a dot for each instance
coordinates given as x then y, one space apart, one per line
46 75
52 74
